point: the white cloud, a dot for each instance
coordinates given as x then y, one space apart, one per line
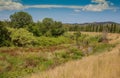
99 1
77 10
10 5
99 5
54 6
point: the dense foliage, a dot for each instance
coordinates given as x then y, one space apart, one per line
48 27
4 35
20 19
21 37
22 31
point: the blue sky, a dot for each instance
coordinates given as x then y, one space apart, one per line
66 11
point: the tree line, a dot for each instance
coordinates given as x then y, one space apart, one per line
22 30
111 28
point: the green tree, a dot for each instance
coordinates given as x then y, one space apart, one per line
52 28
20 19
36 28
4 35
48 22
57 29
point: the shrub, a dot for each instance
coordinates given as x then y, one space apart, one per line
75 53
93 39
4 35
102 46
21 37
50 41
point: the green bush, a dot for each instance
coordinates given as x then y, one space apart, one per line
94 38
71 54
4 35
50 41
21 37
102 47
75 53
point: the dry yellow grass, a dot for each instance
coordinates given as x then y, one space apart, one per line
105 65
113 38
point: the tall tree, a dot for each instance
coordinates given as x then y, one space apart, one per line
21 19
48 22
52 28
57 29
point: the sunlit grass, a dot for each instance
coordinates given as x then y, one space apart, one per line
106 65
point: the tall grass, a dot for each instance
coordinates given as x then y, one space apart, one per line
106 65
16 62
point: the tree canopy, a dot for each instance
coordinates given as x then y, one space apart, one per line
20 19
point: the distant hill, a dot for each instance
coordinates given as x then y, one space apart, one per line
97 23
101 23
109 22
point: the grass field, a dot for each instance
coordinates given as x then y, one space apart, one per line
59 57
104 65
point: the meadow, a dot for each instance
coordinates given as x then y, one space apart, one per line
17 62
100 65
49 46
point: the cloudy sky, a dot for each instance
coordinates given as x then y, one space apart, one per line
67 11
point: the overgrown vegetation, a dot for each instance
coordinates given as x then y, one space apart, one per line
18 62
105 65
22 31
28 47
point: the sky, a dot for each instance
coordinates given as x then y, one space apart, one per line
66 11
